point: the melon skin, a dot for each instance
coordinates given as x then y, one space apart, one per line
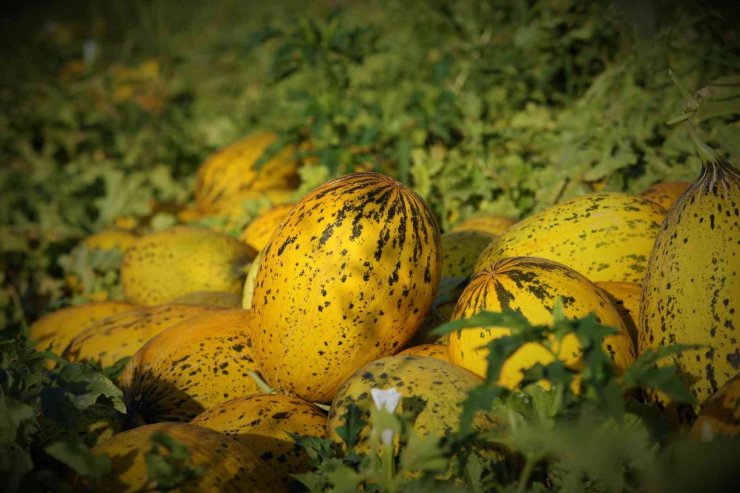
122 334
533 285
190 367
440 384
54 331
605 236
263 423
173 262
228 466
347 278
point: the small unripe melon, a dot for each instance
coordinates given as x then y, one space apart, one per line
110 239
176 261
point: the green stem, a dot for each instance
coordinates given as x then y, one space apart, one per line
705 152
387 463
526 473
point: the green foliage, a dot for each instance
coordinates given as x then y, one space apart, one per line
499 107
595 439
51 414
168 463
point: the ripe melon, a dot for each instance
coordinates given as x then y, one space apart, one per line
604 236
532 285
227 465
192 366
263 423
176 261
347 278
438 351
229 173
122 334
56 330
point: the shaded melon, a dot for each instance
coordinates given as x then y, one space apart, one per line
460 251
220 299
260 229
439 351
263 423
720 415
122 334
626 297
440 384
227 465
492 224
665 193
190 367
56 330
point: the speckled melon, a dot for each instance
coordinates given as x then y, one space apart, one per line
230 172
460 250
122 334
532 286
665 193
263 423
56 330
95 424
260 229
228 465
626 297
720 415
604 236
691 291
493 224
110 239
440 383
439 351
172 262
220 299
190 367
347 278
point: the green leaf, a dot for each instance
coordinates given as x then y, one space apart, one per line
645 373
12 414
115 370
350 431
80 459
168 463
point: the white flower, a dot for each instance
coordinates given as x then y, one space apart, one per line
387 399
